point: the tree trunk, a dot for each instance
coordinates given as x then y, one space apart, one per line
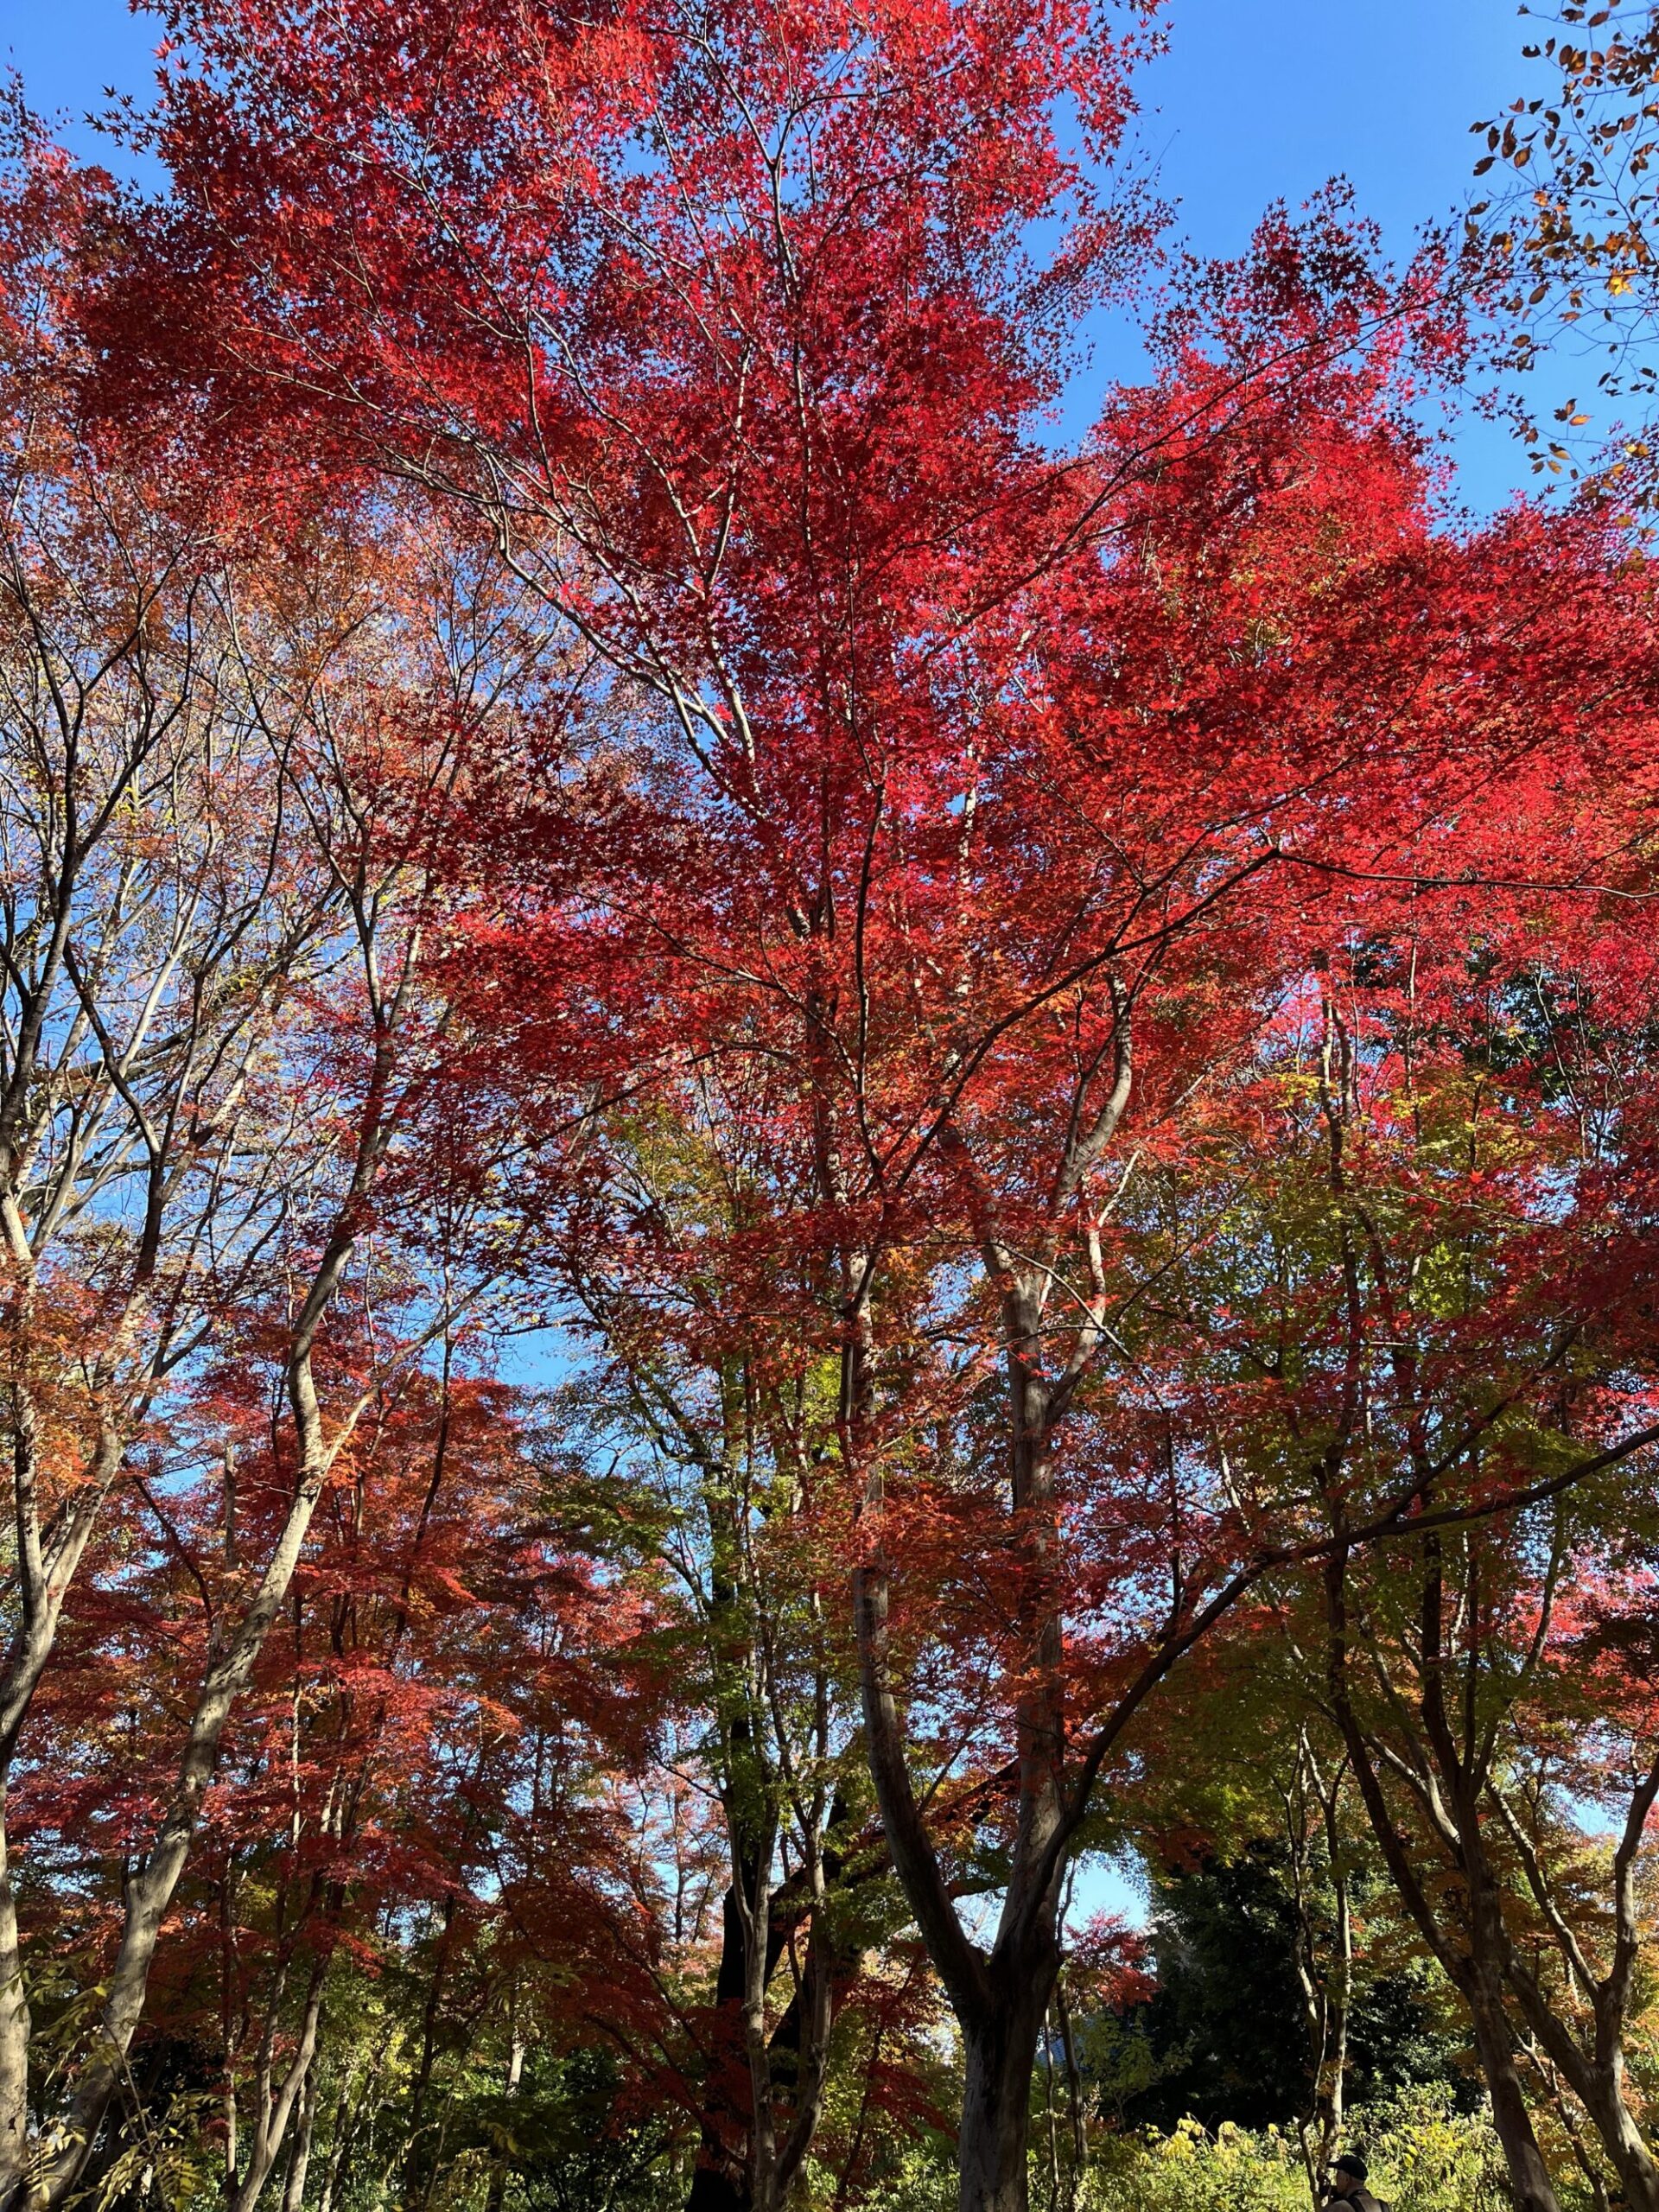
355 2099
300 2157
1633 2162
720 2179
1000 2048
1529 2181
1473 1957
14 2031
498 2196
297 2094
1599 2087
1595 2077
813 2012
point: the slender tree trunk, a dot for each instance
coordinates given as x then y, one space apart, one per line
720 2179
1593 2178
1325 1998
14 2031
1341 1999
227 2016
1002 2038
1482 1985
1479 1979
1599 2087
755 1910
1002 2002
809 2022
1073 2091
1594 2075
1050 2124
515 2076
297 2092
355 2099
1474 1965
1479 1982
299 2157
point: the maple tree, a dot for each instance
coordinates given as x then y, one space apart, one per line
381 1765
1462 1108
229 1104
132 1055
925 1442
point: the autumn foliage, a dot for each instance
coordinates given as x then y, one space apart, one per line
772 1154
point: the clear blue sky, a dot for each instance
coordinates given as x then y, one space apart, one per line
1256 100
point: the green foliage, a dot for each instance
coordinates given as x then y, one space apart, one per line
1190 2171
924 2180
1223 2039
572 2150
1425 2155
1224 2029
564 2140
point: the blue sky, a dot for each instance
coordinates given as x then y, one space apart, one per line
1267 99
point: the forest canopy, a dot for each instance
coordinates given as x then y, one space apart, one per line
780 1157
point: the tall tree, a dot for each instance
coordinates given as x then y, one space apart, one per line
1444 1290
230 1103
